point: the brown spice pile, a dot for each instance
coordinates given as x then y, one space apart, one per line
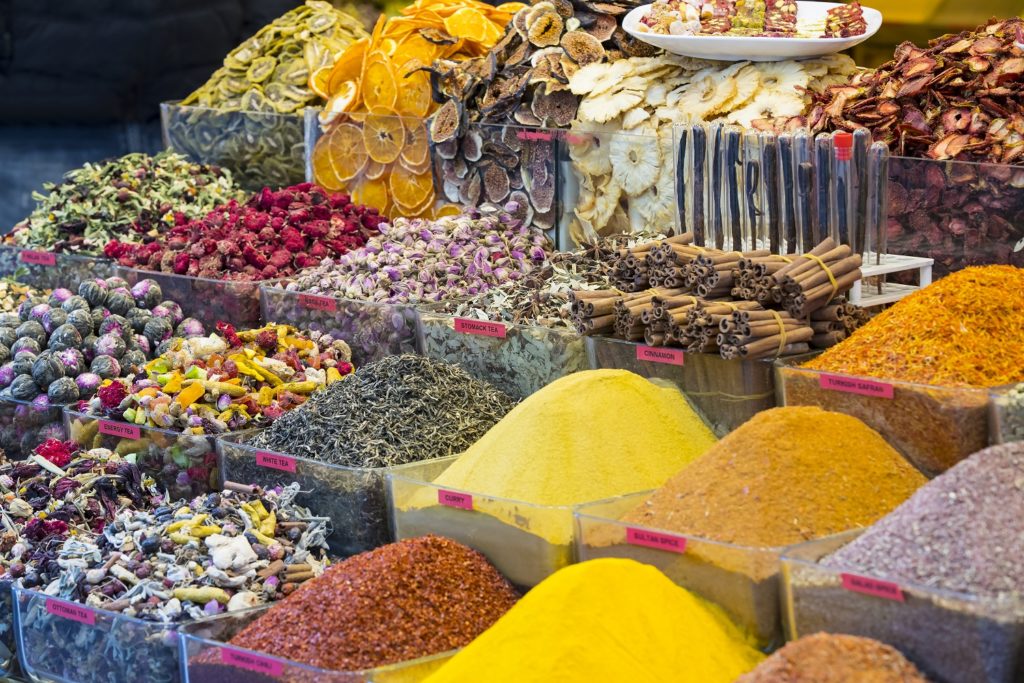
402 601
832 658
785 476
963 330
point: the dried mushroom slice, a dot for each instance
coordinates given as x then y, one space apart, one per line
544 220
603 27
526 117
496 185
460 167
546 30
582 47
447 121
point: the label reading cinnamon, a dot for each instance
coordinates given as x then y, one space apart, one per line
462 501
659 354
317 303
483 328
873 587
275 461
69 610
39 258
855 385
251 661
120 429
656 540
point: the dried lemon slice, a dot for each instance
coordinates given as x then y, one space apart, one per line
379 88
383 135
347 152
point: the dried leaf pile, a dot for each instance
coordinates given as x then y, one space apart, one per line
375 142
960 98
626 181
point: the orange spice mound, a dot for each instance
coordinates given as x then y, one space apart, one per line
966 329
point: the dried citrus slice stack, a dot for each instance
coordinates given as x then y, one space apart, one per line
378 95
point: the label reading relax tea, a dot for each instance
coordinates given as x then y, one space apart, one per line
39 258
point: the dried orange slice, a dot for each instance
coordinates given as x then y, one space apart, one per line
447 210
349 65
323 170
374 170
379 89
342 100
383 135
467 23
319 81
410 190
347 152
416 46
416 151
372 193
414 96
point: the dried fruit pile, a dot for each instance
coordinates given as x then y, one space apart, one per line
421 260
13 294
273 234
754 18
961 98
378 93
626 177
58 350
130 199
226 382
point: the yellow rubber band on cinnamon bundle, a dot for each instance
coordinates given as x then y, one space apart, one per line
782 332
828 271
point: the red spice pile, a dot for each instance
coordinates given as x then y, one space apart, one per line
402 601
274 234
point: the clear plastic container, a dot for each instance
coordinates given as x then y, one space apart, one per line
260 148
934 427
353 498
49 270
526 542
8 658
952 637
185 464
209 301
518 359
742 580
69 642
372 330
726 393
206 658
24 425
1007 413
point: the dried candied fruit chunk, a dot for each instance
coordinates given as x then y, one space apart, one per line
582 48
447 121
472 146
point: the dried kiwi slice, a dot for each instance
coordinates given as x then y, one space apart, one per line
260 69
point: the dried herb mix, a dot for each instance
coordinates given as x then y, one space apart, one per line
835 658
130 199
402 601
395 411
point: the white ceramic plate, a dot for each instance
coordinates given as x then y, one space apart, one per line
738 48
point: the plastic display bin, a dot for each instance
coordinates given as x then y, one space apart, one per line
260 148
952 637
518 359
185 464
373 330
24 425
934 427
726 393
209 301
1006 413
8 658
742 580
512 534
49 270
355 499
206 658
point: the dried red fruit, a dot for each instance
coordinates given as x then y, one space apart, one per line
57 452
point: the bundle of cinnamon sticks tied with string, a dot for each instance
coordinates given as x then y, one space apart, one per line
740 304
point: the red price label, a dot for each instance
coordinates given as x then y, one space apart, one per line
318 303
39 258
533 135
462 501
251 661
275 461
855 385
653 539
120 429
660 354
69 610
874 587
481 327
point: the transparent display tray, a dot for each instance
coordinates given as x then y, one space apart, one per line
1007 413
48 270
24 425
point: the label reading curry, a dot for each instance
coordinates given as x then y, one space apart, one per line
453 499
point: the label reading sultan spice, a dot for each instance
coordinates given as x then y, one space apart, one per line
852 385
252 662
120 429
39 258
480 327
69 610
318 303
879 589
275 461
462 501
653 539
659 354
533 135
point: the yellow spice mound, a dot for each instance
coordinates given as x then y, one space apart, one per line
785 476
606 620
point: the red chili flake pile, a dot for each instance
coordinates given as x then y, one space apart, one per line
831 658
273 234
410 599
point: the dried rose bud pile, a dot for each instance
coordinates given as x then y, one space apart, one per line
226 382
273 234
423 260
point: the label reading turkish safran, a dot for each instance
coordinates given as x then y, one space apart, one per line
855 385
